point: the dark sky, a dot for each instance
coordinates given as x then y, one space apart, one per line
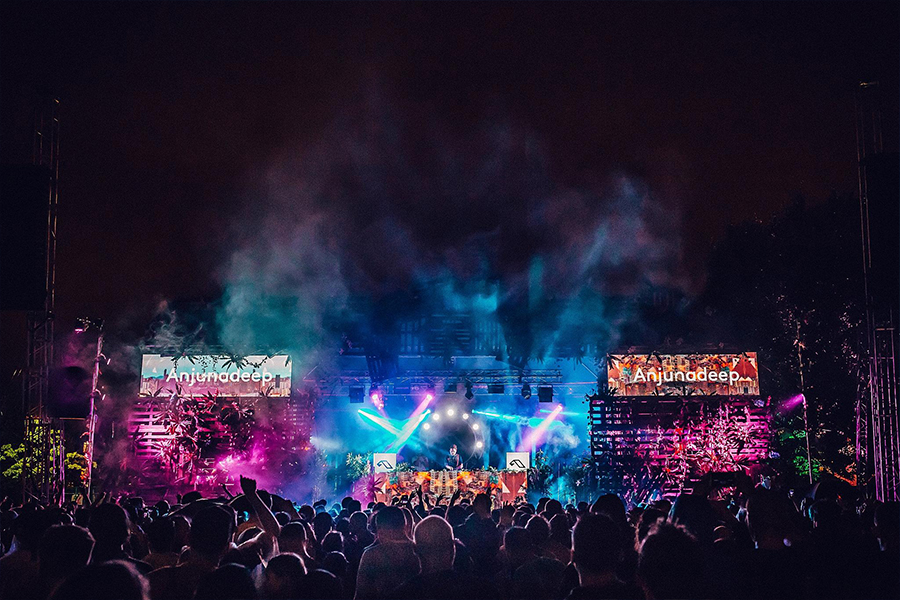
171 113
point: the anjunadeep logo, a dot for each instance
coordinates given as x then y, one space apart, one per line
191 378
702 374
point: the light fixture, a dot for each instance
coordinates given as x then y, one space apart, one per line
356 394
476 427
496 388
469 394
479 444
437 416
526 391
465 416
451 412
545 393
426 426
450 387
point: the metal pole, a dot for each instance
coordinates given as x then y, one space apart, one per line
92 417
805 406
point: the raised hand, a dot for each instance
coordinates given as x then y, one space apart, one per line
248 486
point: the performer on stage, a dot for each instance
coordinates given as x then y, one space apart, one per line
453 461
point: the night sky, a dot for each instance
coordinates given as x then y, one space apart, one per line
186 126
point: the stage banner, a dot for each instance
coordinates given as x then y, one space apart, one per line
518 461
384 462
679 374
250 376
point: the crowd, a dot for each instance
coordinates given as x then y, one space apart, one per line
758 544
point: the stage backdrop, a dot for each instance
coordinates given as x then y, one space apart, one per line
222 375
700 374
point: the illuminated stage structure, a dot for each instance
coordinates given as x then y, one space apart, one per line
200 421
667 420
197 419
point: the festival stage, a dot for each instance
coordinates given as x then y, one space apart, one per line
658 424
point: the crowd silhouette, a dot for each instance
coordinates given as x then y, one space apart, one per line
759 543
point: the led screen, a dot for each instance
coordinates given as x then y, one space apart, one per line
222 375
664 374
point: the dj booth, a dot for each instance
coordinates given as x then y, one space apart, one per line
507 486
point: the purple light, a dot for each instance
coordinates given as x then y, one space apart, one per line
537 434
791 403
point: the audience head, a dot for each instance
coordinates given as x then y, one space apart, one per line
596 545
293 538
540 579
435 544
321 585
649 517
228 582
211 531
769 518
333 542
670 563
694 513
336 564
109 525
322 524
29 526
390 524
113 580
539 530
611 506
518 545
559 530
64 549
283 577
161 534
482 505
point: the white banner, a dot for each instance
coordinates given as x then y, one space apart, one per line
518 461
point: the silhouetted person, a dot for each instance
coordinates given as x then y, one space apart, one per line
110 527
64 550
114 580
670 564
161 539
390 561
228 582
211 531
282 578
596 552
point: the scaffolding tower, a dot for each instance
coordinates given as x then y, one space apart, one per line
46 479
878 428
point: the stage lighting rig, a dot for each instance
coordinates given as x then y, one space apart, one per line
545 393
526 391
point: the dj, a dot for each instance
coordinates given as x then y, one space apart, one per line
453 461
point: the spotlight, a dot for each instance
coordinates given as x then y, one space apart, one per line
429 397
451 412
469 394
526 391
450 387
374 395
479 444
476 427
496 388
356 394
545 393
437 416
426 426
465 416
